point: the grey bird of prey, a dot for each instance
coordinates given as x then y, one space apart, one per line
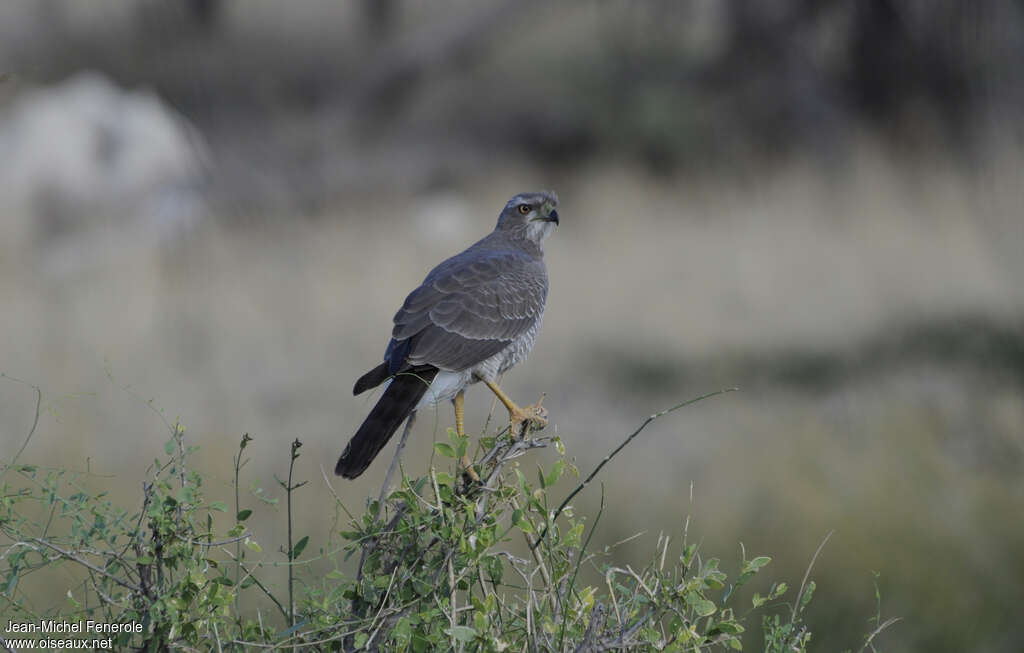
474 316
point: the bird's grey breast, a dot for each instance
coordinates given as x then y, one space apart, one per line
522 344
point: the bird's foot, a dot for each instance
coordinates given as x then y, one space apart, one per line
529 418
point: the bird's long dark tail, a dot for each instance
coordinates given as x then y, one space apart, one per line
394 406
372 379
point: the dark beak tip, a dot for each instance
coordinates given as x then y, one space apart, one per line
553 217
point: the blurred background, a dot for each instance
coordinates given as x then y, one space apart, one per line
210 209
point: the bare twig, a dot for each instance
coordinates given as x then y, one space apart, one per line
289 489
238 509
256 581
623 639
807 574
594 627
451 604
619 448
85 563
337 499
179 437
575 573
32 429
876 631
398 454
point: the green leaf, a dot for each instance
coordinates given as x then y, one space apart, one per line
688 554
495 569
463 633
299 547
808 593
219 506
243 514
402 631
523 485
650 635
555 474
444 478
420 644
700 605
757 563
252 545
444 449
422 587
728 627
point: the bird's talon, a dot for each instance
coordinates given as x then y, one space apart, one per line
528 418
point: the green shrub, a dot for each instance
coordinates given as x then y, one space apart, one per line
443 564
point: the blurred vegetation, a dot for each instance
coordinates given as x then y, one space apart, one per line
695 86
817 201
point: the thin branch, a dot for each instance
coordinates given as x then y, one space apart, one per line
576 571
289 489
807 574
35 421
398 454
330 488
238 463
622 446
88 565
256 581
624 637
593 629
876 631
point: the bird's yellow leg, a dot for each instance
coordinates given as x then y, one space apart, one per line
460 428
520 419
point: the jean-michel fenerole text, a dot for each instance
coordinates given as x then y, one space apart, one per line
53 626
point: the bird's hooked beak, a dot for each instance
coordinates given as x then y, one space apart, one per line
552 216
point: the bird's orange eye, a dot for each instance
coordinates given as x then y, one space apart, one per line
524 208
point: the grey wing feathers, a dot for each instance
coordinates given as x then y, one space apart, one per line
471 307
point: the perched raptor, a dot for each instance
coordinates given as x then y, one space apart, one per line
475 316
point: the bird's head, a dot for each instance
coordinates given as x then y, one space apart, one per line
531 216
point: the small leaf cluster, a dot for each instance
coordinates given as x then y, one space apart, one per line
156 566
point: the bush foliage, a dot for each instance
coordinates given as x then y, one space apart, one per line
441 563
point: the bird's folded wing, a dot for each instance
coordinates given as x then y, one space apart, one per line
470 308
